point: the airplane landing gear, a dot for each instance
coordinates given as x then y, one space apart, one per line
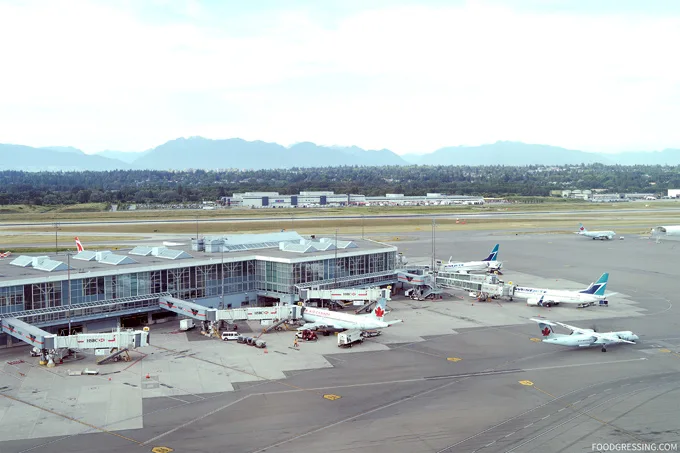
604 349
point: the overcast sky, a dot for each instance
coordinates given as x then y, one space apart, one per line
410 76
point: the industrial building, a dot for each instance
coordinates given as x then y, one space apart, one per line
331 199
100 290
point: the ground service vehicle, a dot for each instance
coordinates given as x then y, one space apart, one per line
349 337
186 324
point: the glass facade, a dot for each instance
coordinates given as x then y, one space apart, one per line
205 281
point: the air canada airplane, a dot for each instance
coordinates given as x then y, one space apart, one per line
488 264
318 317
593 294
601 235
582 338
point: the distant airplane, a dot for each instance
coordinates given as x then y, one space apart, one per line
595 293
319 318
5 255
488 264
583 338
79 246
602 235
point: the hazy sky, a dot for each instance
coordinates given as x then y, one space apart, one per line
411 76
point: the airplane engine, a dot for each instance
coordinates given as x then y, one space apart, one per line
537 302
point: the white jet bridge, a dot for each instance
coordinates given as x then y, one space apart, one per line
50 346
487 286
365 298
211 316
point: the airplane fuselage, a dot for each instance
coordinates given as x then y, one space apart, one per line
559 296
584 340
342 320
599 234
472 266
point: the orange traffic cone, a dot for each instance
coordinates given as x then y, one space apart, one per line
147 376
265 351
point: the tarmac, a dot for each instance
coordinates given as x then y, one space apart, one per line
456 376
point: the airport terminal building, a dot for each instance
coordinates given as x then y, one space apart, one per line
102 290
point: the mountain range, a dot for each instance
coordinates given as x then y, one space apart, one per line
202 153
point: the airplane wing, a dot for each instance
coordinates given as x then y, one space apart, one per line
612 339
317 325
610 294
396 321
576 329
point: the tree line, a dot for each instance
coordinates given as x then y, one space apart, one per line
149 186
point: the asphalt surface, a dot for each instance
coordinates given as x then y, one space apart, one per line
505 394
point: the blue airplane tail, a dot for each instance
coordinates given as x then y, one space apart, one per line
598 288
493 255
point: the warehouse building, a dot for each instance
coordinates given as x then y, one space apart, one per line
103 290
331 199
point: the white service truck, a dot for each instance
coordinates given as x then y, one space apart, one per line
186 324
349 337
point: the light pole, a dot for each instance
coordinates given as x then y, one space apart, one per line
433 247
335 266
196 228
362 226
56 238
222 286
68 270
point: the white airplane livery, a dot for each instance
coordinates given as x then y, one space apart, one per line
488 264
320 317
582 338
601 235
541 297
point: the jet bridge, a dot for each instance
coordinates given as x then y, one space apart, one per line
423 285
51 347
187 308
488 285
348 294
27 333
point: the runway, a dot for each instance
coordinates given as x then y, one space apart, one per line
302 217
478 386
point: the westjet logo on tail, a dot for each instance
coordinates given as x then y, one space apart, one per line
493 255
599 287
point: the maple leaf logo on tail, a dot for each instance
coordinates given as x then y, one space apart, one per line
545 332
379 312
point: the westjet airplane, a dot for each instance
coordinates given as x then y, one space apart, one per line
601 235
593 294
488 264
320 317
583 338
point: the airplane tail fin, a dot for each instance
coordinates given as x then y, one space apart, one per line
546 327
582 229
493 255
79 246
599 287
379 310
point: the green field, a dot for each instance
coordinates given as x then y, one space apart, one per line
99 212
